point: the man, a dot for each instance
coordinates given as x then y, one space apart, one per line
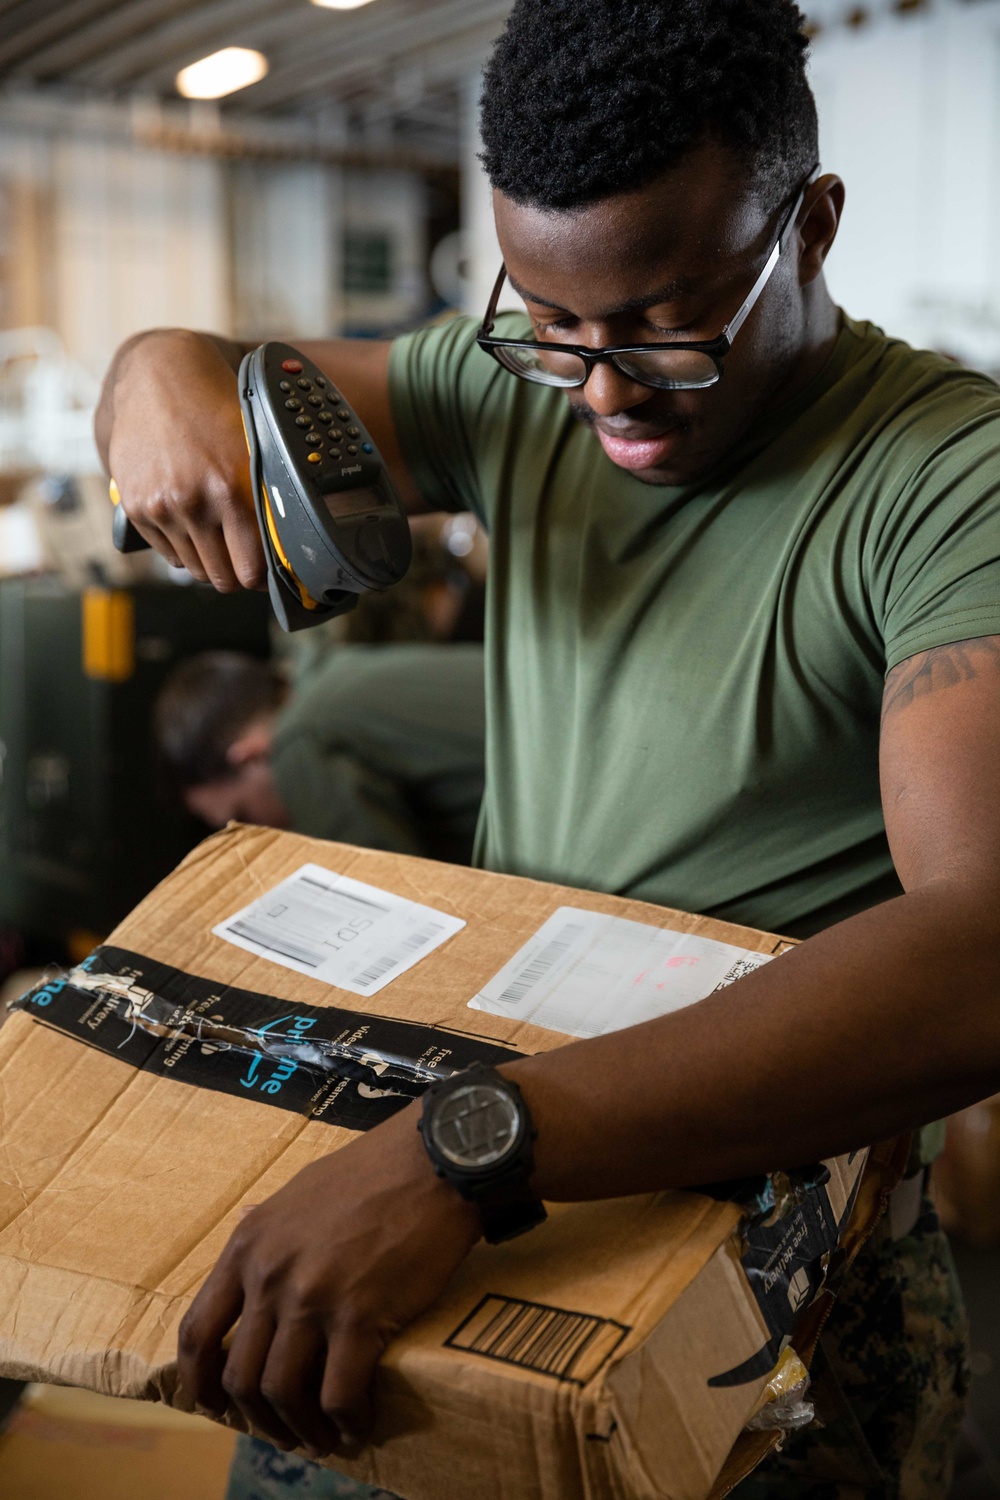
703 591
382 746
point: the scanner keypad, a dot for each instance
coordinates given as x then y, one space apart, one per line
316 413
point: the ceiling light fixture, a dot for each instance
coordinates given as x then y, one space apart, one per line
341 4
222 73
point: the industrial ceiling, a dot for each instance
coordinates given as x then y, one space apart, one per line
393 66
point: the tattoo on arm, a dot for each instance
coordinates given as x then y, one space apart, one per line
941 667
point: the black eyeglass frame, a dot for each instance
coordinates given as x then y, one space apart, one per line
716 349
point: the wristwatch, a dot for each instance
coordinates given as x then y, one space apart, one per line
478 1134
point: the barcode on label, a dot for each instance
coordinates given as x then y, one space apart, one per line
566 1345
743 966
403 950
286 944
536 970
339 930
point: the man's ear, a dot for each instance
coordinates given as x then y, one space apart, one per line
818 229
254 743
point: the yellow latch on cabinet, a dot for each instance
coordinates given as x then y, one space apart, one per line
108 634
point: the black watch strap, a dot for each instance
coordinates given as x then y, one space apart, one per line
506 1209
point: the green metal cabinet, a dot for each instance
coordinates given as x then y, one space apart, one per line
83 834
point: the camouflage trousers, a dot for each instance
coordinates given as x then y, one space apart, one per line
889 1386
890 1381
260 1472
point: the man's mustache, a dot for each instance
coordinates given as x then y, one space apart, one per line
660 424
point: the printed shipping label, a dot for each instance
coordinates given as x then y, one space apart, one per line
585 973
331 927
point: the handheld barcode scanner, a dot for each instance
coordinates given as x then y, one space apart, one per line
331 522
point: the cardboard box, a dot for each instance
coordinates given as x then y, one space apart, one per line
966 1180
618 1351
71 1443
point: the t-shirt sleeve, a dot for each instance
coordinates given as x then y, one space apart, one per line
936 559
452 406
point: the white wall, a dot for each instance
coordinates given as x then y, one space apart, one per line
394 203
910 118
286 224
127 238
482 251
101 236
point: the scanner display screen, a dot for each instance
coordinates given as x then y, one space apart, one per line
354 502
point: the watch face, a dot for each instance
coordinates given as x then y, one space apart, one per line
476 1125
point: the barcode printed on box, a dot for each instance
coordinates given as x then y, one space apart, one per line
340 930
540 966
570 1346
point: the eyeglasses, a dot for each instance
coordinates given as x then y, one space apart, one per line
667 367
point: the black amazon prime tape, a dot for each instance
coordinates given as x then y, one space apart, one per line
341 1066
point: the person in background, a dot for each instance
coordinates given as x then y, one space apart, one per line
381 746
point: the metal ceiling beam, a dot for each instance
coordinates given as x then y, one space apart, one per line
291 36
271 25
20 14
112 45
49 24
211 24
173 127
134 26
328 69
368 60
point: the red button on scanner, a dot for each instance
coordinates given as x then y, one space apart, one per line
293 366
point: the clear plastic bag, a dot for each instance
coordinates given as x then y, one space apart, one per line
784 1407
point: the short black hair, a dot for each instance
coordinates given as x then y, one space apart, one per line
202 709
584 99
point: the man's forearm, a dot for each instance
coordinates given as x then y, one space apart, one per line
230 350
883 1023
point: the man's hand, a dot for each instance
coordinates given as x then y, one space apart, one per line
171 434
320 1277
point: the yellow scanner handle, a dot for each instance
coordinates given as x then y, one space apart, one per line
123 533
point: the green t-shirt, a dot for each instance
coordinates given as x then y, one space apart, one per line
384 746
684 683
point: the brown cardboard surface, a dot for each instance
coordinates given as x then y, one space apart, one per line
118 1189
72 1445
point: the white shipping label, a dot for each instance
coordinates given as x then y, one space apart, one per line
340 930
586 973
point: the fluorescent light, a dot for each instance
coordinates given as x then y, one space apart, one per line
222 73
341 4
